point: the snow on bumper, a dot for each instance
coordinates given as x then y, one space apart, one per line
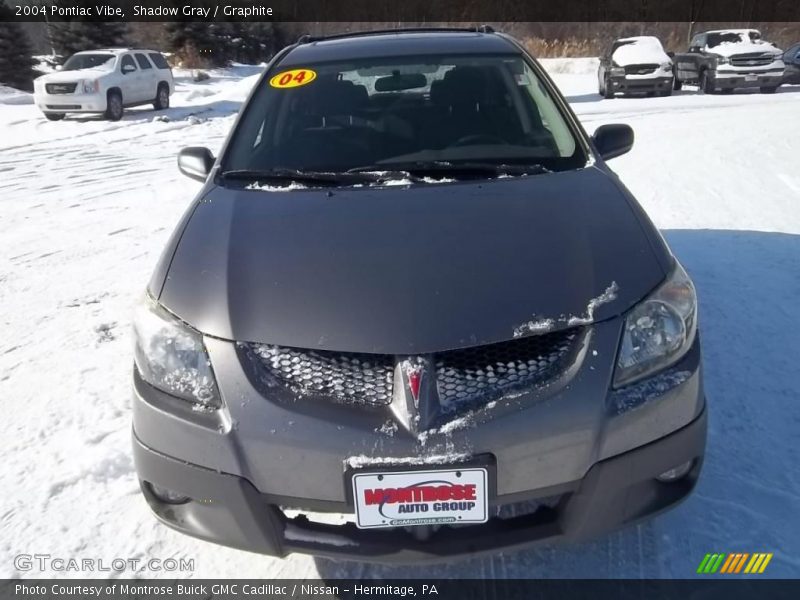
70 103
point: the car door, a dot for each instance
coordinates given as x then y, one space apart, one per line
792 61
689 64
129 83
148 75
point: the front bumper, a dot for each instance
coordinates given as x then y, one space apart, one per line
592 450
747 79
640 85
70 103
616 492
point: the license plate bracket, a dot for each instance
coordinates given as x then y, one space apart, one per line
440 494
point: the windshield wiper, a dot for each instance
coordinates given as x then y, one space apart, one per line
456 170
295 176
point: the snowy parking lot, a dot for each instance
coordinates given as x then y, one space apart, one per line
86 207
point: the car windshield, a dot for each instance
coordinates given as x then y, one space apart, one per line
437 113
731 37
88 61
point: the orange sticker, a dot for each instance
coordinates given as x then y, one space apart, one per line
293 78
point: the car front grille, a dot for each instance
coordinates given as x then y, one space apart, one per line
485 373
750 60
465 378
640 69
60 88
338 376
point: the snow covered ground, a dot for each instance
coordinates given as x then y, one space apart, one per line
86 207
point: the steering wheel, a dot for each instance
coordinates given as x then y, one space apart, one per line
478 138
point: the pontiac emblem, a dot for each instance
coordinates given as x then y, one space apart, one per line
414 372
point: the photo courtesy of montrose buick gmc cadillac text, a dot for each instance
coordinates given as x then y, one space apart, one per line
413 314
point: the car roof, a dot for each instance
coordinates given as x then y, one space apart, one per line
639 38
734 31
116 50
398 43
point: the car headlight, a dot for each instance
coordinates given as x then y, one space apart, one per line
616 70
722 60
667 66
90 86
171 356
659 330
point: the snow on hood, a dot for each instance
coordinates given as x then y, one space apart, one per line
640 50
745 46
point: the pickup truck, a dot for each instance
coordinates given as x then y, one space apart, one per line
727 59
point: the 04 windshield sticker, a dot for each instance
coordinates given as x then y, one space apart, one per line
293 78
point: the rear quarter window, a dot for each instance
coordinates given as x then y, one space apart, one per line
158 60
143 62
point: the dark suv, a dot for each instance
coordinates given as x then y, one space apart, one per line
413 314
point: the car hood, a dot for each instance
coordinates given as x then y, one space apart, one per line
410 269
71 76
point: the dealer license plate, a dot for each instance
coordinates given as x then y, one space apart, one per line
750 77
403 499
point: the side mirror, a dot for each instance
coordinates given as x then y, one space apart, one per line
195 162
127 69
613 140
671 54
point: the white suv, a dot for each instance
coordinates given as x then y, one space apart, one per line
105 81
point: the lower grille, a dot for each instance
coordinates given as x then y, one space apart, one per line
60 88
64 106
640 69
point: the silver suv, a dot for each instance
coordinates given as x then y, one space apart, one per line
105 81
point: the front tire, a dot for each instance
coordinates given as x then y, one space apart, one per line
607 92
114 108
54 116
162 97
769 89
677 84
706 86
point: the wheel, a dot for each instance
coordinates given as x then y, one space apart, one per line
769 89
114 107
608 93
162 97
54 116
727 90
705 84
677 84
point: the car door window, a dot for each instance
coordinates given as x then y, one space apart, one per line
127 63
144 64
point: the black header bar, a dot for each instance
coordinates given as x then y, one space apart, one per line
410 11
